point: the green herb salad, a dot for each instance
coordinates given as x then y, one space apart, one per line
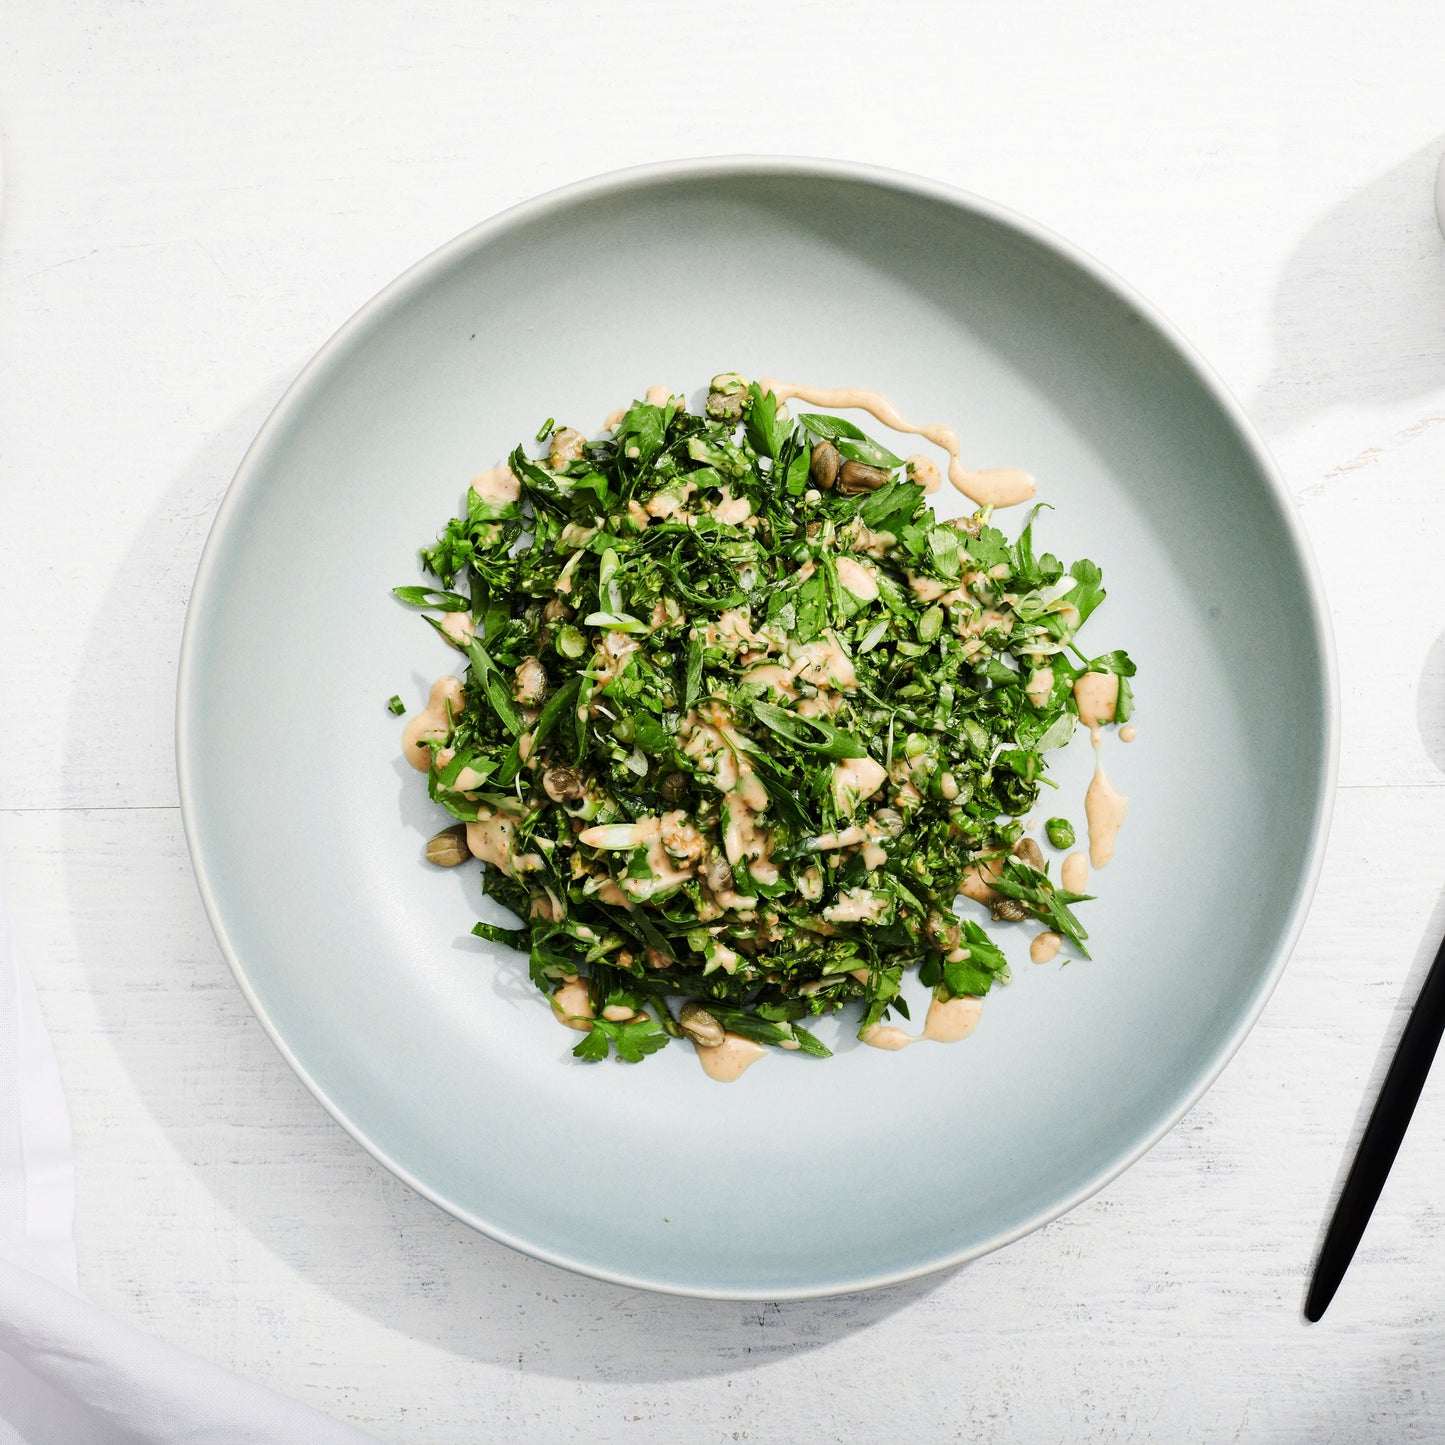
741 720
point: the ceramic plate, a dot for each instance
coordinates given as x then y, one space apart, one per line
806 1177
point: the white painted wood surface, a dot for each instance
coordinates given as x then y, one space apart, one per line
196 197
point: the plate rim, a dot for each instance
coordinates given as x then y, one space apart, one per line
375 312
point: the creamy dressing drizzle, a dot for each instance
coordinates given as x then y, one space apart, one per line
1044 947
491 838
1097 694
949 1021
1127 734
726 1062
770 675
857 579
825 664
730 510
854 780
430 724
498 486
1075 873
1040 686
1105 806
572 1005
856 905
459 627
887 1036
997 487
653 834
977 881
952 1019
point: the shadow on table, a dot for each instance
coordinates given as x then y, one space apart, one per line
1359 309
383 1251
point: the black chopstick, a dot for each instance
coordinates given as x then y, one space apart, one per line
1381 1141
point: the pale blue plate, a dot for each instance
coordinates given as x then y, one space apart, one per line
806 1177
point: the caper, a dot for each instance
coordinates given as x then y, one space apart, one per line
717 873
529 682
1009 910
449 847
855 478
725 396
674 785
1027 851
562 785
1061 832
825 464
700 1026
556 610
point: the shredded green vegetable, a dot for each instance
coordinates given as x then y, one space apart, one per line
741 719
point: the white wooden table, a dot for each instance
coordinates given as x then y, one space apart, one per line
196 196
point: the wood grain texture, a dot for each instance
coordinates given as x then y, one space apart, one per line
196 196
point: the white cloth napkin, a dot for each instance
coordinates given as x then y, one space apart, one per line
70 1374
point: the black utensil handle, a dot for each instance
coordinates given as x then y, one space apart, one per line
1381 1140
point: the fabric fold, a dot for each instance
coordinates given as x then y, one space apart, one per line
70 1374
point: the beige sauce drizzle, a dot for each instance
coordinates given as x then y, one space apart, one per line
1097 694
573 1005
925 471
613 417
1075 873
949 1021
952 1019
886 1036
1128 734
727 1061
430 724
654 835
825 664
1044 947
459 627
770 675
1106 808
732 511
998 487
855 779
1040 685
491 839
497 486
857 579
856 905
743 840
975 883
